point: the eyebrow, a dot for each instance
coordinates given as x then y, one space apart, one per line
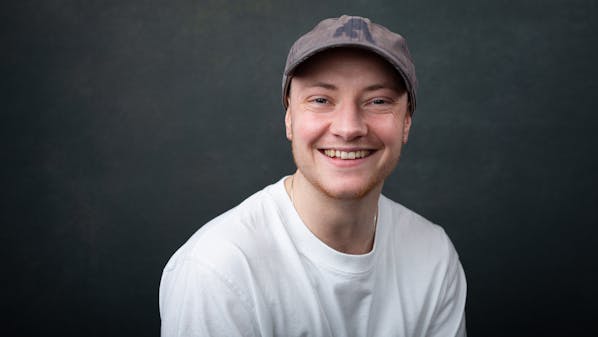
377 87
322 85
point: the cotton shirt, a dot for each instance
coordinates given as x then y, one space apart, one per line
257 270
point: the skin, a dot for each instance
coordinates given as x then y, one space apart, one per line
352 100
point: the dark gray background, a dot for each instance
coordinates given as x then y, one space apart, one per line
126 125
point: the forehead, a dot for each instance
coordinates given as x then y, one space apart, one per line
352 61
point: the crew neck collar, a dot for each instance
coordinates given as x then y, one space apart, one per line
320 254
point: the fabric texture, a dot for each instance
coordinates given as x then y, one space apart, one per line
257 270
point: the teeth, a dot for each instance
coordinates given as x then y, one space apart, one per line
346 155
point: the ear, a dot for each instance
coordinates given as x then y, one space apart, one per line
406 126
288 124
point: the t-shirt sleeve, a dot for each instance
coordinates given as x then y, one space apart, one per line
449 315
195 300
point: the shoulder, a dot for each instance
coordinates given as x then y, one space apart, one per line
232 237
409 225
227 262
415 240
213 272
203 279
430 270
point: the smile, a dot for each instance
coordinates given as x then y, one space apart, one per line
347 155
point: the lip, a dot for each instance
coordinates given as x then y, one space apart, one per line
347 149
346 163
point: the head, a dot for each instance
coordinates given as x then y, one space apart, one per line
353 32
348 114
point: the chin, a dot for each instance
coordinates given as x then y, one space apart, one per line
349 190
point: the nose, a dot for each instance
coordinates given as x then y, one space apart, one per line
348 122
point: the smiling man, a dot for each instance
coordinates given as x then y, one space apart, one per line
322 252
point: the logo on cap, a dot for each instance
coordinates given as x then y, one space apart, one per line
351 27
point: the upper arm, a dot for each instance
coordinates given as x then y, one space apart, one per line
449 314
195 300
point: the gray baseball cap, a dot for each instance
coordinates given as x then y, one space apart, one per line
358 32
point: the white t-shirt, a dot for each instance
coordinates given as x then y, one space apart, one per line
257 270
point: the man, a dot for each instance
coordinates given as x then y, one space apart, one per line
322 252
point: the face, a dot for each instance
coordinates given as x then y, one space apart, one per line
347 120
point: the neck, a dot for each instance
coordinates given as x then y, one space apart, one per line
346 225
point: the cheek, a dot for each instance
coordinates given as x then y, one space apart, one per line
385 125
308 130
391 135
392 138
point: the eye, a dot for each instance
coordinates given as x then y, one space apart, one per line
379 105
320 100
379 101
